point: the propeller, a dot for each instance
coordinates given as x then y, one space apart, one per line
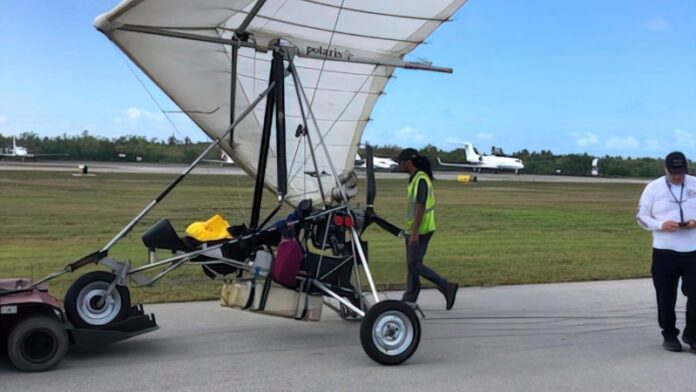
370 170
370 215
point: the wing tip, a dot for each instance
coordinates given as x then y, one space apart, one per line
103 24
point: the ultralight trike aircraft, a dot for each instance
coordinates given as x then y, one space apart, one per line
285 88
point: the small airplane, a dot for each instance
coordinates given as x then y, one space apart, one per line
477 161
23 153
379 163
224 159
595 167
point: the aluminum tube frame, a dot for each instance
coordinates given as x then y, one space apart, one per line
202 38
366 268
337 297
250 16
190 255
293 72
234 55
310 113
218 246
263 154
278 70
171 186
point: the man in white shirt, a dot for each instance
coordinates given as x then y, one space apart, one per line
668 209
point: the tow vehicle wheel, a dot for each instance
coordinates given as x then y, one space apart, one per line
37 343
85 305
390 332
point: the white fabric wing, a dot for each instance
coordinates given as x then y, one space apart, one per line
345 52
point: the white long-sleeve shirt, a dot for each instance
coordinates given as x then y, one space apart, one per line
660 203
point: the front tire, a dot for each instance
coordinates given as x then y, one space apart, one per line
37 344
82 305
390 332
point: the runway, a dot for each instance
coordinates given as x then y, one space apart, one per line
599 336
216 169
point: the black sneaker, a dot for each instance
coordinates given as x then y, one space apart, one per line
450 293
690 343
672 344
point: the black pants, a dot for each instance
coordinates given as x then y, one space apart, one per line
416 268
667 267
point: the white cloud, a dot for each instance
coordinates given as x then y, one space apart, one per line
659 24
484 136
3 119
621 143
136 114
586 139
684 138
408 135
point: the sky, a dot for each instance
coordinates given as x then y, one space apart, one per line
574 76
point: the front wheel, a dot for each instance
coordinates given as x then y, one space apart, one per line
86 305
37 344
390 332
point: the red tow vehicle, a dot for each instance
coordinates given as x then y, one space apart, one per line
37 335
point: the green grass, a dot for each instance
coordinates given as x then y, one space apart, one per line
489 233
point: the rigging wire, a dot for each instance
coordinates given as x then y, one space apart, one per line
161 109
323 62
296 24
342 72
331 127
379 13
135 74
311 103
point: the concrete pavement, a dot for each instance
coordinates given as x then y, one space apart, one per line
599 336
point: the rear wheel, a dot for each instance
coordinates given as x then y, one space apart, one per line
37 344
390 332
86 305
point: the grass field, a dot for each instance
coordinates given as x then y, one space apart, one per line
489 233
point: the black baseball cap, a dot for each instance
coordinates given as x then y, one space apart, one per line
675 162
406 154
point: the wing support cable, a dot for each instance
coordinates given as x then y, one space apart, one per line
171 186
293 72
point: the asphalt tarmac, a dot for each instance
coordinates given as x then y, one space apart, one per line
217 169
599 336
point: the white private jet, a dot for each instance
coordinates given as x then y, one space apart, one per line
595 167
224 159
379 163
477 161
23 153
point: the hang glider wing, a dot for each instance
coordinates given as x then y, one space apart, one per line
346 51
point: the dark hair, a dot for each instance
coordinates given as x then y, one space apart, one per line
423 164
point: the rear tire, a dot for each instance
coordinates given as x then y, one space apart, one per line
390 332
82 301
37 344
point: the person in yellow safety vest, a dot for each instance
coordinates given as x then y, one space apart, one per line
420 226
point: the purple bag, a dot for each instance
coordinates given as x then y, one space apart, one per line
288 262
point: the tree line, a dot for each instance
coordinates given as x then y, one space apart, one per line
546 162
174 150
88 147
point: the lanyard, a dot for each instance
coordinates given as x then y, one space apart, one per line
681 198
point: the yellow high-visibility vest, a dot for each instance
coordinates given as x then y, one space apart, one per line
428 223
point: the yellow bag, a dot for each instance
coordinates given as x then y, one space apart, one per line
213 229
